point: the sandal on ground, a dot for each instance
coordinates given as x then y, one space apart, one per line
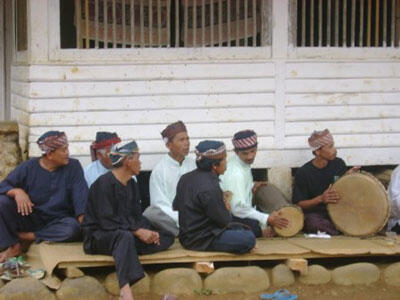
279 295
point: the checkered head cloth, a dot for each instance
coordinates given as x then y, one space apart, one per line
319 139
244 140
51 141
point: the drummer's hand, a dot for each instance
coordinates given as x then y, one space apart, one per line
276 220
330 196
353 170
257 185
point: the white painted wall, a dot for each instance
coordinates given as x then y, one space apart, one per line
281 92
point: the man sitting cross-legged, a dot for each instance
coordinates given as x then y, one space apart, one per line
204 218
43 198
113 223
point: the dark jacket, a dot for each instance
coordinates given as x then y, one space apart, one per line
202 212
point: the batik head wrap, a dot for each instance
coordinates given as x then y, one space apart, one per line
319 139
119 152
51 141
103 140
211 150
171 130
244 140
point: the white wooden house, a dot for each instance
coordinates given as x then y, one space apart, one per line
281 88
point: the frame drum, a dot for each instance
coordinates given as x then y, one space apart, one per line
295 216
364 206
269 198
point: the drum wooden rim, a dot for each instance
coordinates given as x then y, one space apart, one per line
295 216
364 207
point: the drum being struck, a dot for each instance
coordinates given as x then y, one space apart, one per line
295 216
363 208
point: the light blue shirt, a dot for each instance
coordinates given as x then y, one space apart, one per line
163 181
239 180
94 171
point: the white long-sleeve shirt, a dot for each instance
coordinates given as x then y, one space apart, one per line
163 181
394 195
239 180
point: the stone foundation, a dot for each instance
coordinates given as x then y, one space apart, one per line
185 281
10 152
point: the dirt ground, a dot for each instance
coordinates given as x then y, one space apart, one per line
376 291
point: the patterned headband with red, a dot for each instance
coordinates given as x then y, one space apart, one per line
51 141
319 139
244 140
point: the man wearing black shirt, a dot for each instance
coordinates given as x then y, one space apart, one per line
313 183
113 222
205 221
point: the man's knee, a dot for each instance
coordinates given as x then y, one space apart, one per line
166 240
7 204
72 230
249 239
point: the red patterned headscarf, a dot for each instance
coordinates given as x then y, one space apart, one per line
173 129
52 140
103 140
244 140
319 139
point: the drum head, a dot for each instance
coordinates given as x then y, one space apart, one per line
295 216
269 198
363 208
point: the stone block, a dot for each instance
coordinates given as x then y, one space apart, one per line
358 273
316 275
8 127
83 288
72 272
392 274
298 264
25 289
176 281
237 279
282 276
281 177
10 152
112 286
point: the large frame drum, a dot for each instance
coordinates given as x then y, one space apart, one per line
364 206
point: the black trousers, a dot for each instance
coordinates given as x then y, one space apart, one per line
251 223
124 248
63 229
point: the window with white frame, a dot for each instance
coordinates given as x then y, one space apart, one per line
348 23
162 23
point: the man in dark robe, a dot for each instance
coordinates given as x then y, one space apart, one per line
113 223
43 198
204 217
313 183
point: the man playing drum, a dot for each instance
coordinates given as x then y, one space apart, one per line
313 183
239 180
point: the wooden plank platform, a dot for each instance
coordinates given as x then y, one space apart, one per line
63 255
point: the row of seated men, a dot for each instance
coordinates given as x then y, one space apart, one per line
48 198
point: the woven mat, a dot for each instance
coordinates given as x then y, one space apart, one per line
53 254
345 246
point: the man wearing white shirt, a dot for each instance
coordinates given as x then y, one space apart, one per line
394 194
165 176
239 180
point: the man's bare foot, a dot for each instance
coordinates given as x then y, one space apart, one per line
26 236
26 239
14 250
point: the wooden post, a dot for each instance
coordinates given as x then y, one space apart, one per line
298 264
